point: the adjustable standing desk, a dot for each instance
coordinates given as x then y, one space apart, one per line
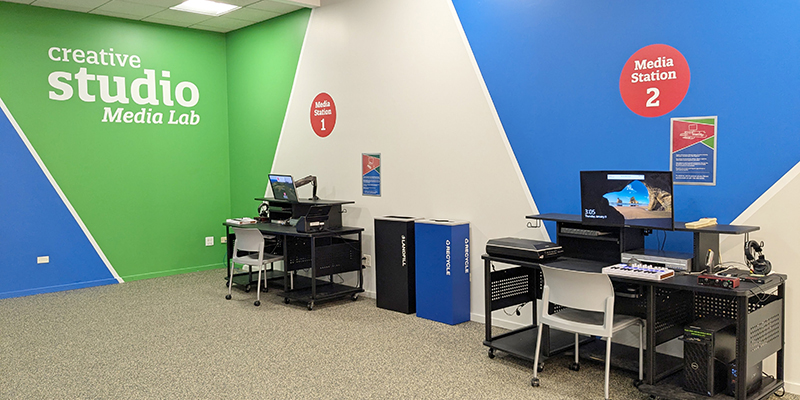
325 253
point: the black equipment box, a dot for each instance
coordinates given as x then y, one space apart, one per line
314 220
753 378
709 346
395 279
523 249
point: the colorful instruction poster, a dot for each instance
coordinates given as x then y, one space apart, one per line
370 174
693 148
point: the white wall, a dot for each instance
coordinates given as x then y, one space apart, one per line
775 212
405 85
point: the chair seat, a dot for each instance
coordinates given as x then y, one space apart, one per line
592 318
252 259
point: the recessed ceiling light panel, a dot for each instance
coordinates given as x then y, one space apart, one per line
205 7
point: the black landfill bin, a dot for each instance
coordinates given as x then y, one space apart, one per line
394 264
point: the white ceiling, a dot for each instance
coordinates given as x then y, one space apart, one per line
157 11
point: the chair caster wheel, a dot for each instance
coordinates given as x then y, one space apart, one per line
247 289
310 305
285 300
227 297
491 353
535 382
637 383
575 367
354 296
540 367
257 303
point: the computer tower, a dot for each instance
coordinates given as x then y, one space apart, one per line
753 378
709 346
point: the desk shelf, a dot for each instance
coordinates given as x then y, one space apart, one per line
325 290
672 388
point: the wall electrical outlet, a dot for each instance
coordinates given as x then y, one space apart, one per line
209 240
367 260
42 259
223 239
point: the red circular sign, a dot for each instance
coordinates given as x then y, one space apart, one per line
654 80
323 114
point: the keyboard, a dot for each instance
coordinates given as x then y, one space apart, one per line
639 271
582 232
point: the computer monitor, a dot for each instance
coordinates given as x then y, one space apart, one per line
641 199
283 187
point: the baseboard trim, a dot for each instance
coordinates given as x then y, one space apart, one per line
57 288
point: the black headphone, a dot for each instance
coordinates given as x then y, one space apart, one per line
760 265
263 210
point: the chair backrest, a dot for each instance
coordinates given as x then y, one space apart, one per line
248 239
588 291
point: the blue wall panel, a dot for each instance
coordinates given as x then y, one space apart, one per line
39 227
553 68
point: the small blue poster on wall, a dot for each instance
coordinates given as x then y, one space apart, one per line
370 174
693 158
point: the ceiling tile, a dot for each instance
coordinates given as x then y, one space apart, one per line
179 18
251 14
129 10
158 3
240 3
274 6
73 5
115 14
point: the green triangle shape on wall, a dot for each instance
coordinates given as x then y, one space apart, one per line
709 142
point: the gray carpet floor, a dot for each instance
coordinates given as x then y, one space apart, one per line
178 338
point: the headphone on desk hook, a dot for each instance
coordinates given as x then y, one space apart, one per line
263 210
755 260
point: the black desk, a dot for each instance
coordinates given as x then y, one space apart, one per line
667 305
324 253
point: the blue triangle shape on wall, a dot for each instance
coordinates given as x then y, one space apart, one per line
36 220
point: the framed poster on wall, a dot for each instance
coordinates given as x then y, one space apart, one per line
693 150
370 174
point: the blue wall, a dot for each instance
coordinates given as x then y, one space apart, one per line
553 68
36 222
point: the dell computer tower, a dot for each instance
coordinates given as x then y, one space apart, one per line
709 347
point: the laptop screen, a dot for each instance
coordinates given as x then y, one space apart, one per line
283 187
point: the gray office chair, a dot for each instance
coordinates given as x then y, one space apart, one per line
588 299
250 243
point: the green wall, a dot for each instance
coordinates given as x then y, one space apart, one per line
262 60
149 193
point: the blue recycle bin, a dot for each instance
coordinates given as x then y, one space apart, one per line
442 270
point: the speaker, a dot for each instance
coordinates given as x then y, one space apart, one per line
709 346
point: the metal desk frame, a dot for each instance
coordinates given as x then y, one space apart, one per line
310 292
